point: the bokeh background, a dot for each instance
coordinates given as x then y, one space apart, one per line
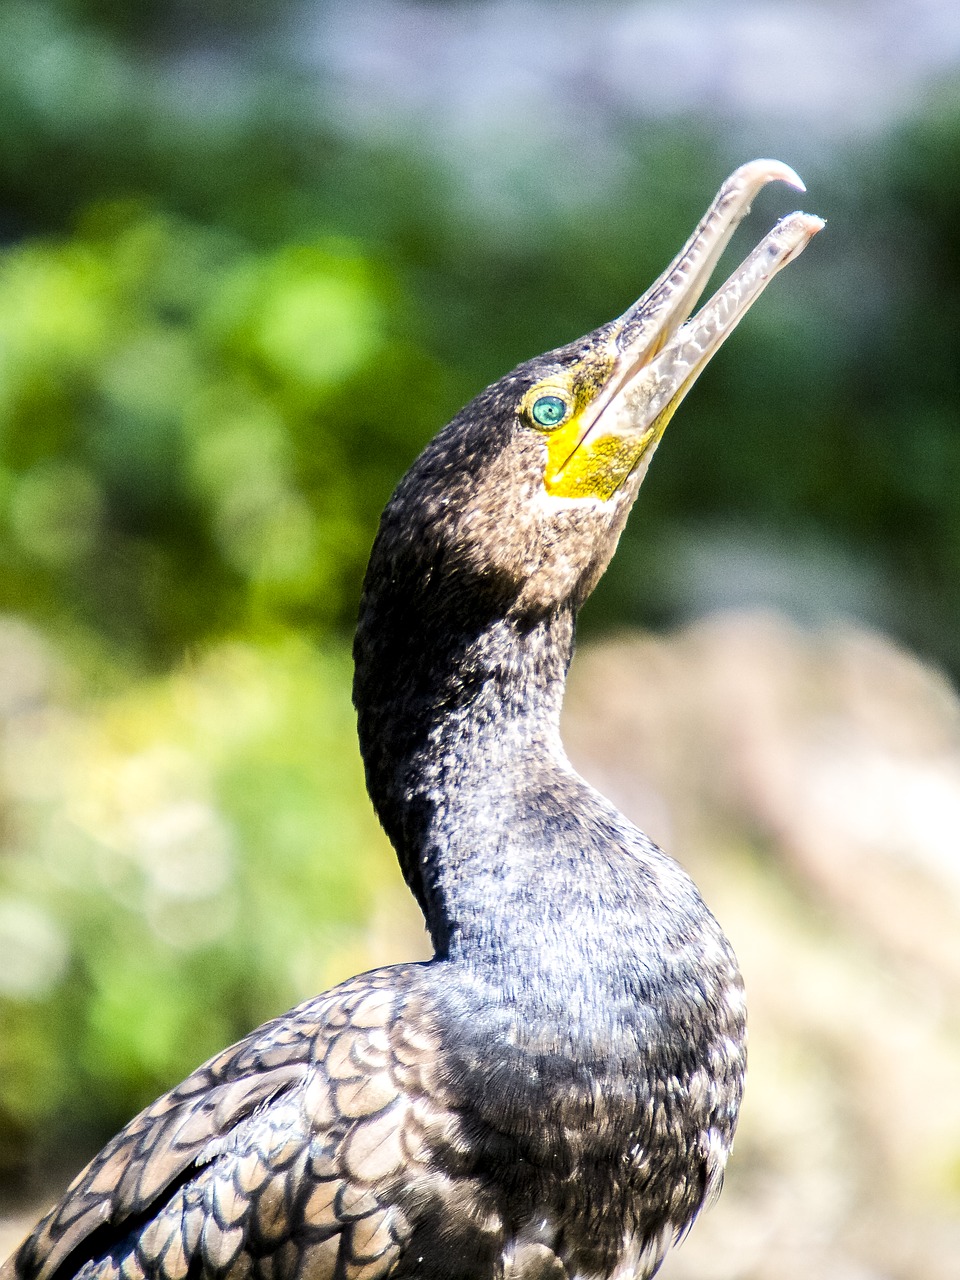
252 255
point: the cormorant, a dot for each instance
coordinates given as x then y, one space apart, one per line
555 1093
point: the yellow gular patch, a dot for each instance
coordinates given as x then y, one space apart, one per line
595 469
578 467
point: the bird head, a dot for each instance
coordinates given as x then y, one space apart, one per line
531 484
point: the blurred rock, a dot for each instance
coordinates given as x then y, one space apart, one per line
811 783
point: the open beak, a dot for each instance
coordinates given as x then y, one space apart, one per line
658 351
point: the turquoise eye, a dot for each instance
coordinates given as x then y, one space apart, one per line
549 411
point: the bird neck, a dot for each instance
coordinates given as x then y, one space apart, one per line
458 720
555 911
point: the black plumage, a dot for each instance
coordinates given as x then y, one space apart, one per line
555 1093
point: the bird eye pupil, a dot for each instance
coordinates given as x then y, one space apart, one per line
549 410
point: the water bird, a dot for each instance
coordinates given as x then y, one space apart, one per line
554 1094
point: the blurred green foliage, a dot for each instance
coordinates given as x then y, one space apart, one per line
186 424
180 863
226 326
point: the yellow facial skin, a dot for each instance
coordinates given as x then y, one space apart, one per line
582 465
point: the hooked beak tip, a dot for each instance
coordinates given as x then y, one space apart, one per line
757 173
